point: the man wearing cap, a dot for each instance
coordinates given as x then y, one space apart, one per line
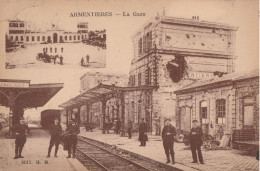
196 142
142 133
20 130
73 131
168 134
55 131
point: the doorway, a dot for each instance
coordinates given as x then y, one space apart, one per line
55 37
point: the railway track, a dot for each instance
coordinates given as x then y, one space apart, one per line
97 156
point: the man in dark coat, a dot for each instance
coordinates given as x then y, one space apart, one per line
55 131
168 134
129 129
196 142
73 131
20 130
142 131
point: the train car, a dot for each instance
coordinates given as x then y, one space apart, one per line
48 116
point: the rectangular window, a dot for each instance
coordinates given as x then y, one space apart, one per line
32 38
78 37
139 79
140 46
70 37
65 38
11 38
74 37
16 38
21 38
38 38
43 38
204 112
27 38
220 111
21 24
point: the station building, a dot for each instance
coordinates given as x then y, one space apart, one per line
169 53
222 104
18 32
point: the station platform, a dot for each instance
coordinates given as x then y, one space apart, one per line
220 160
35 152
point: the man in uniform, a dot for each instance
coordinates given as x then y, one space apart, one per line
20 137
196 135
142 131
73 131
129 129
168 134
55 131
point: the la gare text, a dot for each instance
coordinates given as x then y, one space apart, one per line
105 14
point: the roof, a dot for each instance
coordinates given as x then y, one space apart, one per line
100 92
228 78
27 95
184 21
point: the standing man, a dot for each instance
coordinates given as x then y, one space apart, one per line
196 142
61 60
20 137
55 131
168 134
142 130
129 129
73 131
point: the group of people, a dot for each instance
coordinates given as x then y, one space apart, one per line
196 141
84 62
69 137
168 134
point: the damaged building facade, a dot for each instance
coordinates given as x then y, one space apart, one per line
170 53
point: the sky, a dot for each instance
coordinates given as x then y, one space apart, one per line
40 14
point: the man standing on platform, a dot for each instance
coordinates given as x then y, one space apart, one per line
129 129
142 133
73 131
55 131
20 137
168 134
196 142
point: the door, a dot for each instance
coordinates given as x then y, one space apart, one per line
248 115
55 37
185 122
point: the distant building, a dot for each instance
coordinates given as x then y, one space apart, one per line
226 103
91 79
17 32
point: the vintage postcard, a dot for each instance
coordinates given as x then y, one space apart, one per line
129 85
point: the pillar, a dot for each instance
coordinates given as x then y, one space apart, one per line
122 100
87 111
11 104
103 101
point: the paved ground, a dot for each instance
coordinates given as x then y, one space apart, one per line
35 150
26 57
217 160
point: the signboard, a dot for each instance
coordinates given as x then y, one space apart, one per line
200 75
14 84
